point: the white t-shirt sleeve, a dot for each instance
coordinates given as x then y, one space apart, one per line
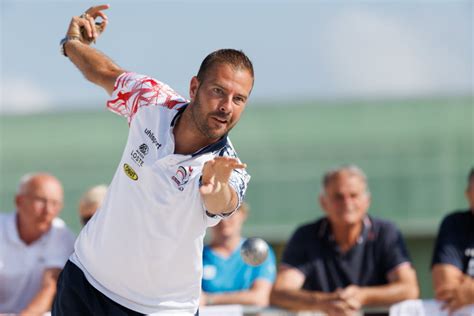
133 91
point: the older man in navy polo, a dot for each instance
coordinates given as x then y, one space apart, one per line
346 259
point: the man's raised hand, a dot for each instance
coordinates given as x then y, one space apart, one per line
85 28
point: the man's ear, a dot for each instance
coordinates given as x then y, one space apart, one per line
193 87
18 200
322 201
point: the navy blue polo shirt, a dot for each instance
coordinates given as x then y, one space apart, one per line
455 242
313 250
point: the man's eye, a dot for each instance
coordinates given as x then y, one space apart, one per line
239 100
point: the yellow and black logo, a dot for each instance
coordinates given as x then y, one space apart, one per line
130 172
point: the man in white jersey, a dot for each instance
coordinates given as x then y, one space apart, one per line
34 246
179 174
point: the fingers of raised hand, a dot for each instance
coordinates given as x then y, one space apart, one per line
91 30
230 162
97 11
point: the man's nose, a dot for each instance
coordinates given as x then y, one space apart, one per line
226 104
347 201
50 206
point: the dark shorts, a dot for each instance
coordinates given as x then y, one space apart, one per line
75 296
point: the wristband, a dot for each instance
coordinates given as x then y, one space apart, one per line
66 39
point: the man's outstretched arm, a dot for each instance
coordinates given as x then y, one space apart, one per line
94 65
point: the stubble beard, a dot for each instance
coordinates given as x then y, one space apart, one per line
201 122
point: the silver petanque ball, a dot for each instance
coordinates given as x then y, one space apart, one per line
254 251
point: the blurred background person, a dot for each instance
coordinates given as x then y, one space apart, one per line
90 202
347 259
34 246
453 257
227 279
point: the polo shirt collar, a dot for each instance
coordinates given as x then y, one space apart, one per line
220 144
14 235
326 233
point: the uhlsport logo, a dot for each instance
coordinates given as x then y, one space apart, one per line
182 176
152 137
130 172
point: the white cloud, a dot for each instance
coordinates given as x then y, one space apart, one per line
21 96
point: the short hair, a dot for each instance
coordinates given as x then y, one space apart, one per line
26 178
23 181
352 169
93 196
235 58
470 177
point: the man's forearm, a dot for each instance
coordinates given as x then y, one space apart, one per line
43 300
299 299
94 65
223 201
41 303
389 294
242 298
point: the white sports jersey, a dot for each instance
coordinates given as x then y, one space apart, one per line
22 266
143 248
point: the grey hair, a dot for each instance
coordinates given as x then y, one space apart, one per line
26 178
24 181
351 168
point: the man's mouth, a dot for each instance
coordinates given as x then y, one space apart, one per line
220 120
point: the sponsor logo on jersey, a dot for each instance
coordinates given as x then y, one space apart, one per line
182 177
152 137
143 149
130 172
138 155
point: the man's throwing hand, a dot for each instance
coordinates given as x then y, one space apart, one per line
85 28
216 174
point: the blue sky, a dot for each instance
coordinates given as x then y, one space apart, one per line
302 50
